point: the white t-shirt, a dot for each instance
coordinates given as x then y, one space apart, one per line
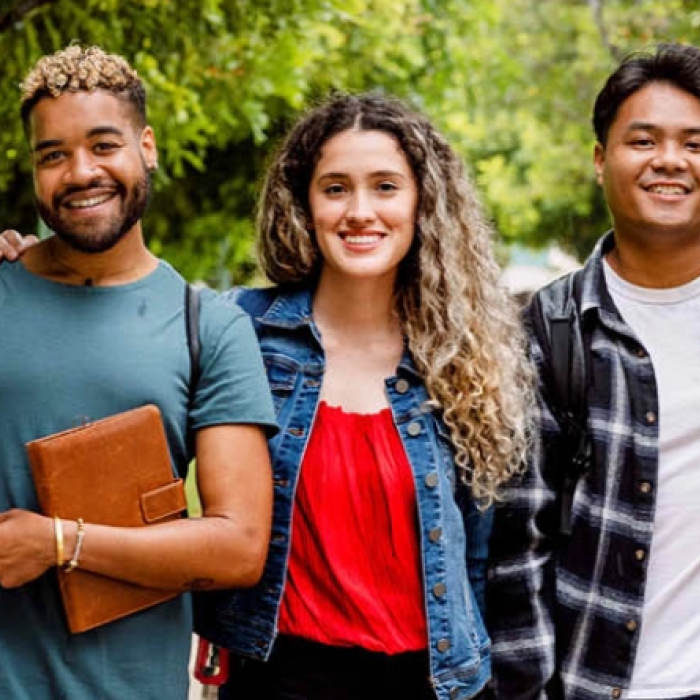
667 321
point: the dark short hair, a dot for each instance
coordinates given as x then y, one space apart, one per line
677 64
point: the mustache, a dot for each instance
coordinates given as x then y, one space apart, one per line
97 183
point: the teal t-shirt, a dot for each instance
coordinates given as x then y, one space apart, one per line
70 354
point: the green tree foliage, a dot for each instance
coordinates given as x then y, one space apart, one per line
510 81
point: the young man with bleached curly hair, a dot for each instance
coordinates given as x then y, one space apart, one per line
94 325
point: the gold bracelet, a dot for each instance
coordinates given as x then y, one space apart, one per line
58 534
80 534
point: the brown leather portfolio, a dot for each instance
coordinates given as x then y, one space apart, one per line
114 471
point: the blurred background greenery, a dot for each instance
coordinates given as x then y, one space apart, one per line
511 82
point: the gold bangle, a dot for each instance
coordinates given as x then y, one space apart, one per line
58 534
80 534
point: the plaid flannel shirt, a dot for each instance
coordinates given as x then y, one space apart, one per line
565 616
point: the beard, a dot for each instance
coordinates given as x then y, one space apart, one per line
107 232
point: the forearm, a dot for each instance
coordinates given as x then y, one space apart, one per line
519 620
225 548
520 590
203 553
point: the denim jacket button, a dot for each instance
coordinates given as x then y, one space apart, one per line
431 480
454 694
414 429
435 534
439 590
443 645
402 386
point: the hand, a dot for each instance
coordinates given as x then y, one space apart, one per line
27 547
13 245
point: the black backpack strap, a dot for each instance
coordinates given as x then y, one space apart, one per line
556 321
193 302
192 306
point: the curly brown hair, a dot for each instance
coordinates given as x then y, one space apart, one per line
75 69
461 325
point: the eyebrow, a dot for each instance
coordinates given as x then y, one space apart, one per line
97 131
376 173
650 126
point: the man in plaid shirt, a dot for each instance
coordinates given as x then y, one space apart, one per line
613 610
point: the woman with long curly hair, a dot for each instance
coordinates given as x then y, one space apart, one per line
398 371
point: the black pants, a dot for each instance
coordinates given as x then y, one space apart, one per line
304 670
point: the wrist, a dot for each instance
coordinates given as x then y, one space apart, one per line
59 541
78 533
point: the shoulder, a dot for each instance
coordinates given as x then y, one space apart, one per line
288 306
558 299
578 290
219 313
255 301
555 295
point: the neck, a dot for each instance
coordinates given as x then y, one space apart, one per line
126 262
356 307
656 267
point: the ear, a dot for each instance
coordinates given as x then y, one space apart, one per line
147 141
599 161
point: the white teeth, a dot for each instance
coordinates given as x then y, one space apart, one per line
362 240
667 189
85 203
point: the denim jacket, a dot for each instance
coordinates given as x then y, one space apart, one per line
454 534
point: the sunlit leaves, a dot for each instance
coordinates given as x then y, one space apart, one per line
511 82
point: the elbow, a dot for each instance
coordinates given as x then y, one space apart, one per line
252 574
254 566
250 564
258 544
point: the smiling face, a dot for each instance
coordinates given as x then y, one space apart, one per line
363 199
91 166
650 165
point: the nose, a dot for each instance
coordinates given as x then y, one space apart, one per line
670 156
360 210
82 168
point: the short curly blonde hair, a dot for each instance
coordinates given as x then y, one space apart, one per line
76 69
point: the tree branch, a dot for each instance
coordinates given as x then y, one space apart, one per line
21 10
597 10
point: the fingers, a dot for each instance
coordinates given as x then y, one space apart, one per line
13 244
28 241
